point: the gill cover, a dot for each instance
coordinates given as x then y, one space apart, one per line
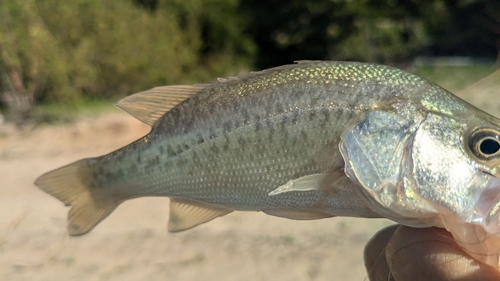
377 155
411 166
418 172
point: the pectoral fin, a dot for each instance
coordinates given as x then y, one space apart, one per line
185 215
297 215
308 183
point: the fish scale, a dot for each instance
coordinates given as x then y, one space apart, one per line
305 141
287 127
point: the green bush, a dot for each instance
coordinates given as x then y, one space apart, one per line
63 51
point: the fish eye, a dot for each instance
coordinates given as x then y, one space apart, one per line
485 143
489 146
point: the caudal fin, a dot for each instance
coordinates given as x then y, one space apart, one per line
74 186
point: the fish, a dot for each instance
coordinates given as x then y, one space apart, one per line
310 140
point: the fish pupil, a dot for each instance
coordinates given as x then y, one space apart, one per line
489 146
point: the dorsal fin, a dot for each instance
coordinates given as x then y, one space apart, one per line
264 71
185 214
150 105
307 61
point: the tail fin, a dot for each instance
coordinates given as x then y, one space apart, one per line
73 185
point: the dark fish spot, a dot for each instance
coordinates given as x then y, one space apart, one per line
285 135
268 109
153 162
326 112
194 155
303 134
212 134
235 107
170 151
246 116
294 118
161 149
182 162
258 126
227 126
179 150
271 134
282 124
312 115
108 176
295 93
215 149
279 108
120 173
211 110
166 166
132 169
200 139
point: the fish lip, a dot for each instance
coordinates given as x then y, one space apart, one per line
487 206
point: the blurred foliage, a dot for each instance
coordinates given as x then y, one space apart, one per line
385 31
62 51
55 51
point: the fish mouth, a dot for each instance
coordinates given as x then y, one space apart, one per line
487 207
479 232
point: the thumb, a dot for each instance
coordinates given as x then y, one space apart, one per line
432 254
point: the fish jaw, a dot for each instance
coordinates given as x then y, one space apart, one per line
416 173
479 232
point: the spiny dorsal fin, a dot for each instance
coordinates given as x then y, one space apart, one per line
307 61
150 105
263 72
185 215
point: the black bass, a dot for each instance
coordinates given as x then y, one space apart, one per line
305 141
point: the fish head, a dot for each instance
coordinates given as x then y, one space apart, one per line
423 168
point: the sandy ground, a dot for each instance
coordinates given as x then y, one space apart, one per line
133 243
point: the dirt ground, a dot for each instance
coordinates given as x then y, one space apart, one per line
133 243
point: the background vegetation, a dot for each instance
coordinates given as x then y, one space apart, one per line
70 52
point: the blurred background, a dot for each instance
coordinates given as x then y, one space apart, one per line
76 53
63 64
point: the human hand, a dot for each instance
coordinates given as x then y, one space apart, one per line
404 253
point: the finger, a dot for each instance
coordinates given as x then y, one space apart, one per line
374 254
432 254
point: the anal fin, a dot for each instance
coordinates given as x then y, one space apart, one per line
187 214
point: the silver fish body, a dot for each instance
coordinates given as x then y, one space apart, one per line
304 141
